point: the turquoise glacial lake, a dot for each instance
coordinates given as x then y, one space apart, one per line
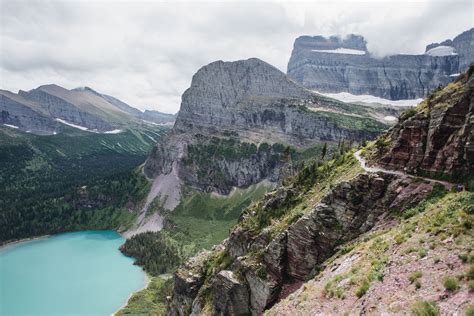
81 273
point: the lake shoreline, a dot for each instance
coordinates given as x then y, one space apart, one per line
147 283
24 240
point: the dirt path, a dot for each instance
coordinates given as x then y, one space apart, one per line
363 164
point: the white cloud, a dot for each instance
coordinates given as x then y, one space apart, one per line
146 52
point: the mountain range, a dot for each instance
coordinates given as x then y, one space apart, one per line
265 196
338 64
44 109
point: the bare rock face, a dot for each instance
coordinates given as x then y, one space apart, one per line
438 139
15 112
345 65
230 295
263 266
464 45
187 281
237 111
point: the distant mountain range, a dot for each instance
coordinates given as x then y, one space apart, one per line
335 64
44 109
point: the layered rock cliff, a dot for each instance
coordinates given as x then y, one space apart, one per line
362 234
345 65
254 269
437 137
233 114
463 45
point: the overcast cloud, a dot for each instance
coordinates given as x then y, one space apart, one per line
145 53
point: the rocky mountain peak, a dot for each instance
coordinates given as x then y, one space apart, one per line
226 83
226 93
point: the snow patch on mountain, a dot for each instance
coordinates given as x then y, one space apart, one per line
350 98
72 125
441 51
340 50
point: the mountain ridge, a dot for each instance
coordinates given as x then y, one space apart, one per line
321 64
41 110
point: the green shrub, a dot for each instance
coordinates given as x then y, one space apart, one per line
415 276
451 284
422 252
399 239
417 285
363 288
469 311
470 286
470 272
407 114
464 257
425 308
262 273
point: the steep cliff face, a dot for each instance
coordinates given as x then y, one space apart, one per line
438 136
16 112
464 46
251 271
364 235
254 99
234 113
345 65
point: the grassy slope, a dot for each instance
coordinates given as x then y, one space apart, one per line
200 221
400 268
309 190
150 301
73 180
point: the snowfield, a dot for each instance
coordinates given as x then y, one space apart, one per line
390 118
348 97
441 51
12 126
115 131
340 51
72 125
83 128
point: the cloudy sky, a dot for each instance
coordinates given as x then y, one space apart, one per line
145 52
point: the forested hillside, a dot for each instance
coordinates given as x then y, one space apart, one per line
72 180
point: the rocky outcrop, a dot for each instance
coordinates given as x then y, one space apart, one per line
254 99
232 115
345 65
262 266
463 45
230 295
187 281
438 137
15 112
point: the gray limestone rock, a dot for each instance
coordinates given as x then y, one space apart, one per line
345 65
